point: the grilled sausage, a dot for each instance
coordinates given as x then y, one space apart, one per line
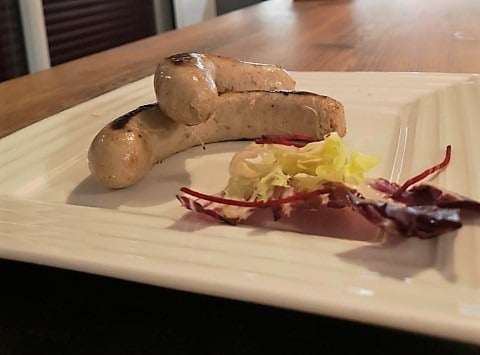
188 85
125 150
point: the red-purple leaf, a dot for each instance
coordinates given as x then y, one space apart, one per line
437 214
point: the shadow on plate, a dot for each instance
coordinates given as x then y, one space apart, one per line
388 256
403 258
161 184
451 255
142 194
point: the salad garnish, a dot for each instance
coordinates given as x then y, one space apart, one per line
295 172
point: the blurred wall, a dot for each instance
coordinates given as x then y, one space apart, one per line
190 12
224 6
13 60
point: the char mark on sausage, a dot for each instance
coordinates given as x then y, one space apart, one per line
122 121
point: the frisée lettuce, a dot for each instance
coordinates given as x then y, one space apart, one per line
258 169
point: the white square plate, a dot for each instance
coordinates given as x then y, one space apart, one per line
51 212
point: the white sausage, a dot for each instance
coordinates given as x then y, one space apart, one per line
188 85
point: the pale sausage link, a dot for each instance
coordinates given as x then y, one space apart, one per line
188 85
125 150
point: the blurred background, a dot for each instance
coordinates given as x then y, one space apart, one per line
37 34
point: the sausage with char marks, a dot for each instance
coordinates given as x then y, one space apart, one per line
188 85
125 150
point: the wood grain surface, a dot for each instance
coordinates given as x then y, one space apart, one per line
322 35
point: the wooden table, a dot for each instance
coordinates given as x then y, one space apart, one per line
328 35
342 35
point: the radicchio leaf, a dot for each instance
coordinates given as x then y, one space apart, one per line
422 221
424 195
